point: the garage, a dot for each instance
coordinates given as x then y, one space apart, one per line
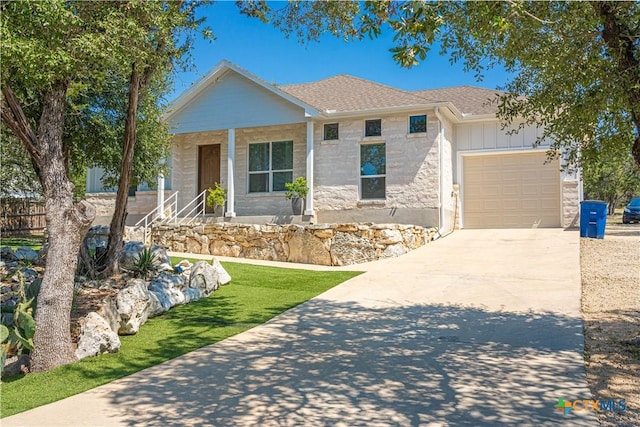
511 191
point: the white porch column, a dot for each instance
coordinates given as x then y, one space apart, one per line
309 205
160 213
231 158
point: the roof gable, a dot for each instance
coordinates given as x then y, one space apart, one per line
229 97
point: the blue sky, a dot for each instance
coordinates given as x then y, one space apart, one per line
264 51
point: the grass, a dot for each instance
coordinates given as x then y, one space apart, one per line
34 242
255 295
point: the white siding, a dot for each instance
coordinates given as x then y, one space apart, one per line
234 102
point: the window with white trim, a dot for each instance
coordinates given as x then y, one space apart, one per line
270 166
373 169
418 124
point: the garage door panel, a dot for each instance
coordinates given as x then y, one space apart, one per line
511 191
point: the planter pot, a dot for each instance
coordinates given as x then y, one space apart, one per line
297 205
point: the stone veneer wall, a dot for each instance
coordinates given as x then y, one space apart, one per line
571 203
323 244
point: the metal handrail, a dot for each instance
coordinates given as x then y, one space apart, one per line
155 214
198 208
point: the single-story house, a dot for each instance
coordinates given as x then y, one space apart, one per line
370 153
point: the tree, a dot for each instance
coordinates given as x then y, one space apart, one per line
49 51
576 63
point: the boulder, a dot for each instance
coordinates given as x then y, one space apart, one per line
204 277
25 253
192 294
97 237
159 303
223 276
394 250
29 275
96 337
7 254
130 253
162 257
169 286
133 305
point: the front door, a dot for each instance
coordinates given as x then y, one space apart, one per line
208 168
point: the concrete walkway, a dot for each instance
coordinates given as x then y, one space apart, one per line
479 328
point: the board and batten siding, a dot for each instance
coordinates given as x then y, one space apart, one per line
234 102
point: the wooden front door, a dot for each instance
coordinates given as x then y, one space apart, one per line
208 168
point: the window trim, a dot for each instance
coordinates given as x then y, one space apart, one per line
365 128
270 171
426 123
360 176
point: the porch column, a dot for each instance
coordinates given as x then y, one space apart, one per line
160 213
309 205
231 158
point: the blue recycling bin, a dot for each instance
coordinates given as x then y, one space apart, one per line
593 218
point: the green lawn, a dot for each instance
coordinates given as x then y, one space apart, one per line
33 242
255 295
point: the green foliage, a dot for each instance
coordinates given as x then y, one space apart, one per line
610 176
216 196
144 265
18 337
255 295
297 188
576 63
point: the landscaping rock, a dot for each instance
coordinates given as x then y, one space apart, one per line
130 253
96 337
25 253
223 276
169 285
192 294
7 254
162 257
133 304
204 277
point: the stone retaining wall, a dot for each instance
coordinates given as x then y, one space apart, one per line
323 244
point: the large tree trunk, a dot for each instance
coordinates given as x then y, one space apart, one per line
66 224
116 231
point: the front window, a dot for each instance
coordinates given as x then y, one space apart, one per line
373 127
270 166
418 124
373 171
331 132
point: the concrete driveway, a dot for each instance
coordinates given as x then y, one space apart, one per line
479 328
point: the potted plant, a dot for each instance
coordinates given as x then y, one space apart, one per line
297 192
216 197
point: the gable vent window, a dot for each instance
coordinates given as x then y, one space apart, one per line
418 124
331 132
270 166
373 127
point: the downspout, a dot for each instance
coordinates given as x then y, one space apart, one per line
441 176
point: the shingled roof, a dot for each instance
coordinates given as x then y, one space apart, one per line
467 99
344 93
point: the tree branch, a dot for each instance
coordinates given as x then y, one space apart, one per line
14 118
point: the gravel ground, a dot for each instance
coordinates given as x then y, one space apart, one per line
611 311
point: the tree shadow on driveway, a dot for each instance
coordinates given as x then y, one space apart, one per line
340 363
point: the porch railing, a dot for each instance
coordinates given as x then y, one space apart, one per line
158 215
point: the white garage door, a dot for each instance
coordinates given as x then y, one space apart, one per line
511 191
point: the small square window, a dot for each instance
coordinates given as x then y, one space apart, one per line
331 132
373 127
418 124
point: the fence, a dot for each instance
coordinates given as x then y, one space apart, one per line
22 216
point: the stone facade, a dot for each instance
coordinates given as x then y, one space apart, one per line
326 244
570 203
137 206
